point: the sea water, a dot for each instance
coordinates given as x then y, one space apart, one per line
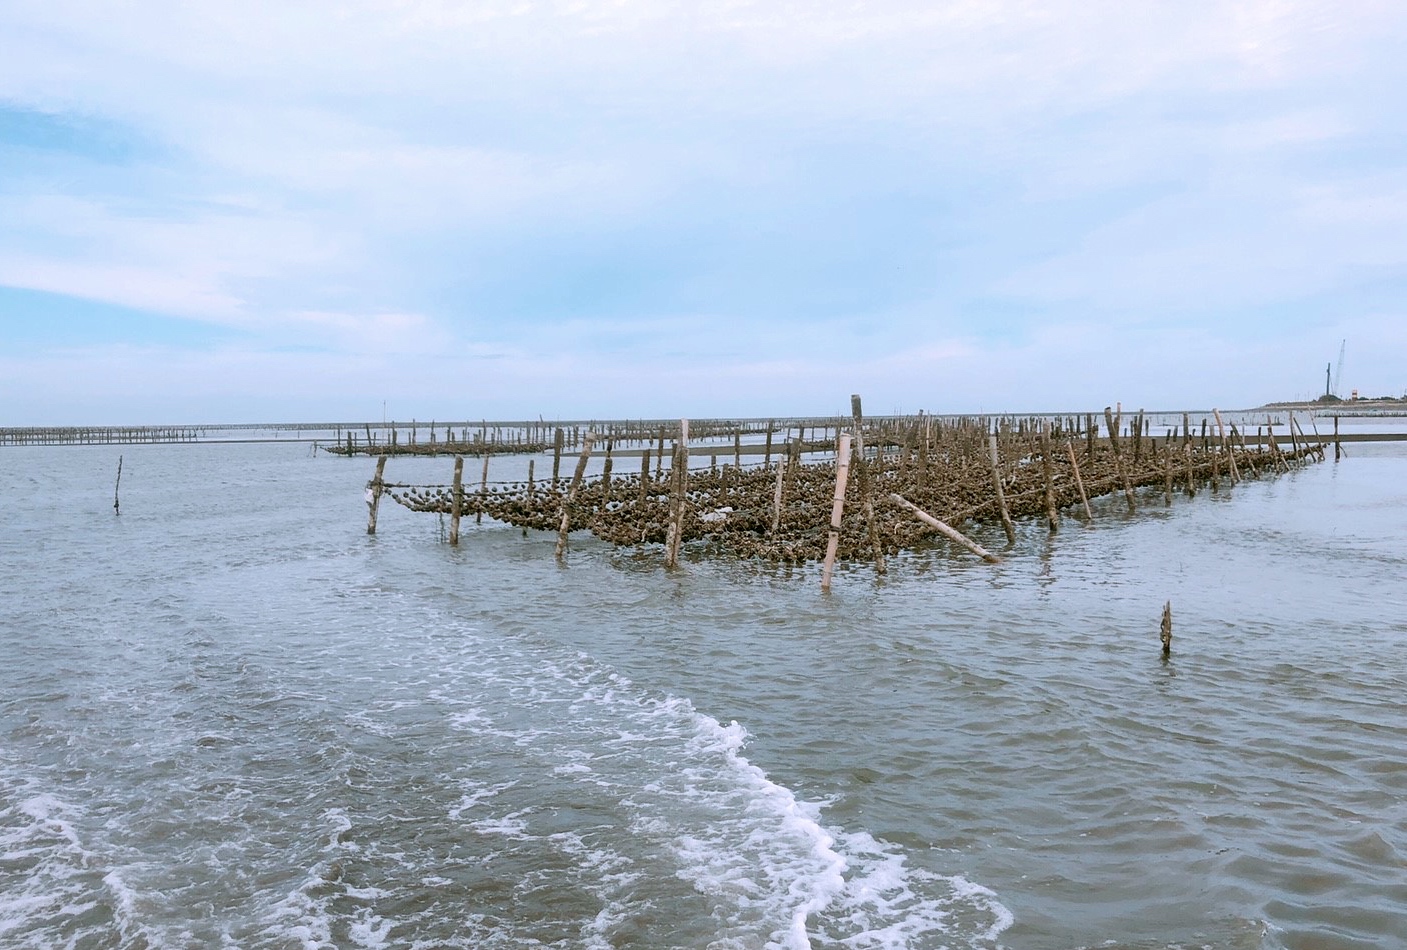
230 718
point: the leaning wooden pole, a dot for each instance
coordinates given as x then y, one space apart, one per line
1227 446
373 495
1118 456
1007 526
1079 482
842 475
570 500
946 530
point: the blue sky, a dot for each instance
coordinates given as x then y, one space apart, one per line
270 211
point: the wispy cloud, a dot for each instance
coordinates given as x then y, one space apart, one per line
781 195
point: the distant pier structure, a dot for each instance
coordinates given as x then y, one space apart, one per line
97 435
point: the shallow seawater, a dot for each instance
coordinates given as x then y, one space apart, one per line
229 717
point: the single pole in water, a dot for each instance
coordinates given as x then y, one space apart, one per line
1166 632
456 504
483 488
117 506
1337 450
373 495
842 475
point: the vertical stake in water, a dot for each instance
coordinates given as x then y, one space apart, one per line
117 506
1167 629
373 495
456 503
842 475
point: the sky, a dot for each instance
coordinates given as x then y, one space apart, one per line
354 210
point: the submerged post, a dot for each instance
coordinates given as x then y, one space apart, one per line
373 495
1166 632
117 506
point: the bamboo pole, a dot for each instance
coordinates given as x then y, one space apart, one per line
674 534
1007 526
1052 516
483 489
777 496
1227 447
1118 457
842 475
373 495
947 531
862 470
1079 483
570 500
456 505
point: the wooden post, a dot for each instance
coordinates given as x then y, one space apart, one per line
1052 517
678 486
1227 446
606 477
483 488
842 475
531 485
674 534
1118 457
644 480
767 456
1007 526
947 531
1191 475
117 505
558 438
456 502
777 496
571 495
1166 631
1167 474
373 495
1337 450
862 470
1079 482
